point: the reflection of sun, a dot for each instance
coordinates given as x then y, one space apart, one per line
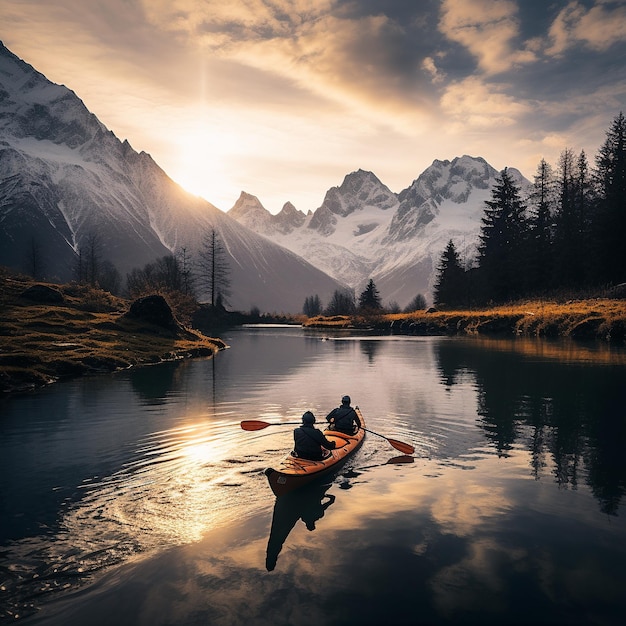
201 453
171 494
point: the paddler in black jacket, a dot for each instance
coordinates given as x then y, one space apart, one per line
308 441
344 418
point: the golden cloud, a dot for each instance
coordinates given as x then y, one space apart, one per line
599 27
488 29
476 105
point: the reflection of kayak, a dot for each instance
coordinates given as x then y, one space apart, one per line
307 504
293 472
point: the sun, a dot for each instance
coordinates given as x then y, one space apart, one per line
200 168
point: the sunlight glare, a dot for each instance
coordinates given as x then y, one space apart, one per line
200 166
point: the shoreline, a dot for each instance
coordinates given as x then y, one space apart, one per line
64 332
586 320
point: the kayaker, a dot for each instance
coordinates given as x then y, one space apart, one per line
344 418
308 441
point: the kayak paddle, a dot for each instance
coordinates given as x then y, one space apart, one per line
260 425
405 448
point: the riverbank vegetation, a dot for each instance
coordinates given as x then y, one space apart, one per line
54 332
592 319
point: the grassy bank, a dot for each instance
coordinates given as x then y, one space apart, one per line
80 331
598 319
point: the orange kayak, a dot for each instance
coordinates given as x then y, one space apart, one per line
294 472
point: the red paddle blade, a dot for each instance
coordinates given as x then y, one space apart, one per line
254 425
405 448
400 459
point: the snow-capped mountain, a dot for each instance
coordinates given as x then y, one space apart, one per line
64 177
363 230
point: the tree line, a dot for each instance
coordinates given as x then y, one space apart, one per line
181 277
567 236
369 302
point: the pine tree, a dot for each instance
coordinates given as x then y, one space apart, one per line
370 300
610 219
569 225
417 304
541 224
89 260
450 286
186 270
213 269
503 242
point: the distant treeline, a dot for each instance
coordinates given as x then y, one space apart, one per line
567 236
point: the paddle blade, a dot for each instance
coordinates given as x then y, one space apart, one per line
405 448
254 425
400 459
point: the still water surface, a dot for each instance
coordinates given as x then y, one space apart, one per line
137 499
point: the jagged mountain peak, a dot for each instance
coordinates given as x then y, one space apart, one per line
450 179
288 219
360 190
453 181
247 205
288 209
31 106
249 211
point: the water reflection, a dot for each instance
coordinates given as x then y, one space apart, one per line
154 384
570 417
307 504
516 444
369 349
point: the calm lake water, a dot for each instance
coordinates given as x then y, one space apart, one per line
137 499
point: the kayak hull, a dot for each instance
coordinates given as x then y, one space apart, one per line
294 472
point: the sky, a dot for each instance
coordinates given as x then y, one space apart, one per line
283 98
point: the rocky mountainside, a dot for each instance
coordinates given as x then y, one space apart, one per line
65 177
363 230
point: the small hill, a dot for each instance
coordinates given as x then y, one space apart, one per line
53 332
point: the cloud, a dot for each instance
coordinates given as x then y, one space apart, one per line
599 27
429 66
489 30
476 105
224 24
367 63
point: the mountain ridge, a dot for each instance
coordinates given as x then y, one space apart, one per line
363 230
65 176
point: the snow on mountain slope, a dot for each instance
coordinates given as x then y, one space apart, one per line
362 230
64 177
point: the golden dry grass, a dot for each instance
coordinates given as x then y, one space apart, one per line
87 333
584 319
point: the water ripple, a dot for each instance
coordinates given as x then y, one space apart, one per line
176 485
